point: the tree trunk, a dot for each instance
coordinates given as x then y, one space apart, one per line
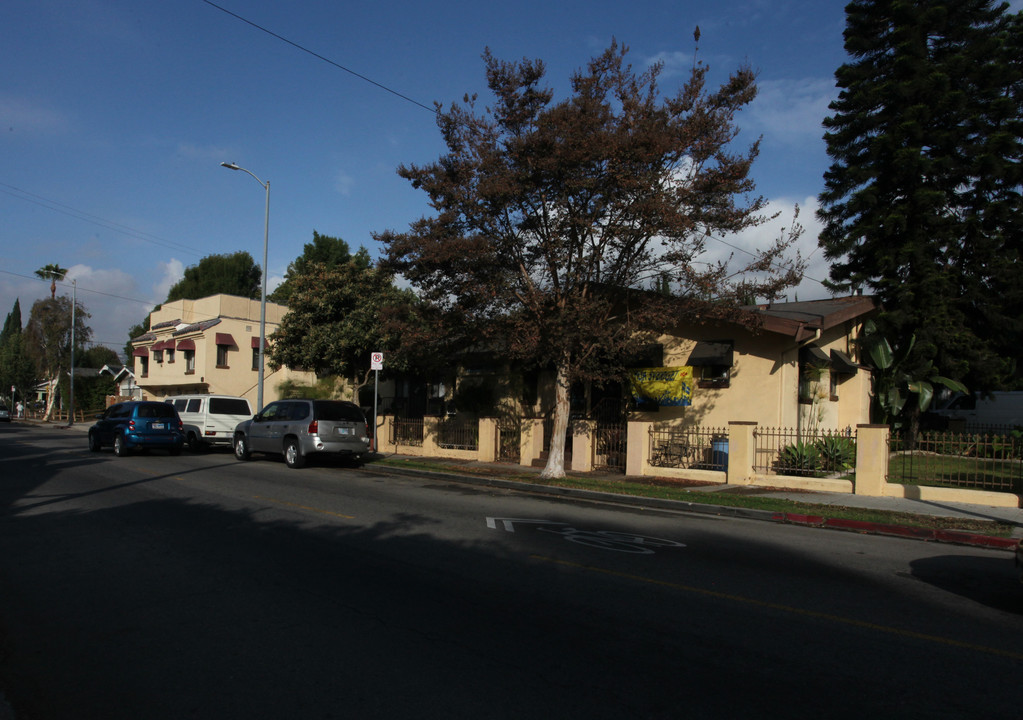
556 456
51 398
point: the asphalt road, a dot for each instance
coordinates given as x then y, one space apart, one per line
201 587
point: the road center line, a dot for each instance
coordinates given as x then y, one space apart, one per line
788 609
303 507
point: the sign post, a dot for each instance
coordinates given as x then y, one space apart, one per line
376 364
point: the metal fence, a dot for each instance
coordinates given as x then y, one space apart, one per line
788 451
510 434
407 431
691 447
611 433
458 434
981 461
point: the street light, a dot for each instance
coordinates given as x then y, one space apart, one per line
262 301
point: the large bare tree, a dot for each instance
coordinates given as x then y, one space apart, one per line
553 220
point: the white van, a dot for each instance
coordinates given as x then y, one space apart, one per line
210 419
983 410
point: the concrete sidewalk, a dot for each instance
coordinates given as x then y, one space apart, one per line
511 476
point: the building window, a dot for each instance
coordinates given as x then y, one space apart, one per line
170 356
715 376
712 363
221 356
255 358
158 356
189 362
145 366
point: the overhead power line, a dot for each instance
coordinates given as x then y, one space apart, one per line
320 57
95 219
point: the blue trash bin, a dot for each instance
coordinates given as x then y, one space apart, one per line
719 453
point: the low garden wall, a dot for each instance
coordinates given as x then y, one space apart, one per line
862 460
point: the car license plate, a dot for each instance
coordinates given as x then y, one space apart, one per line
343 431
157 426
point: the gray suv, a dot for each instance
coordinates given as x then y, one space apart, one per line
300 428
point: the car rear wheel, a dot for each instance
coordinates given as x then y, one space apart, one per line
195 444
241 448
120 447
293 456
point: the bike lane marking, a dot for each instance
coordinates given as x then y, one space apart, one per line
601 539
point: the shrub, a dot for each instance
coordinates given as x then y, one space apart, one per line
837 453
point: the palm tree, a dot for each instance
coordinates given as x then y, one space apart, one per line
53 273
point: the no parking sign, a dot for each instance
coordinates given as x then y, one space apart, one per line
376 361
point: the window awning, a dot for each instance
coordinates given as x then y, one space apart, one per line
186 344
813 355
711 353
140 352
225 339
164 345
255 343
842 363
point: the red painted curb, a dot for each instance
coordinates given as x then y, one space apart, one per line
949 536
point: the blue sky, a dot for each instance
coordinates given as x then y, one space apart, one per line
115 115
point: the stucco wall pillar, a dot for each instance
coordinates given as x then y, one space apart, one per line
582 445
871 460
638 448
489 440
742 448
383 434
430 435
531 441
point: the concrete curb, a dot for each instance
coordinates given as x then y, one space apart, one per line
814 521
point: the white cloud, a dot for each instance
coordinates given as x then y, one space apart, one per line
207 153
343 182
791 111
170 273
21 115
742 246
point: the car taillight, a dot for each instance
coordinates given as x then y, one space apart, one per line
131 426
181 426
314 427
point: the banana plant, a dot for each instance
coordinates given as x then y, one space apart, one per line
894 385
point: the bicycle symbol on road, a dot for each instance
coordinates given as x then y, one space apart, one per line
604 539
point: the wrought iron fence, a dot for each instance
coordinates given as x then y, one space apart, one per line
982 461
788 451
510 434
407 431
458 433
611 432
690 447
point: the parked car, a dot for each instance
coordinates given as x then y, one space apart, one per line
210 419
133 425
5 414
300 428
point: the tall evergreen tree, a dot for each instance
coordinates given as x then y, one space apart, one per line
922 201
235 274
323 251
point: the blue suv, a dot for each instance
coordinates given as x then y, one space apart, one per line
130 425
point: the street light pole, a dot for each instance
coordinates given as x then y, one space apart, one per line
262 301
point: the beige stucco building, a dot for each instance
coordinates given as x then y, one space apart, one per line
210 345
797 369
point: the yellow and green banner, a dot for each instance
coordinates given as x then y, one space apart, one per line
663 386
